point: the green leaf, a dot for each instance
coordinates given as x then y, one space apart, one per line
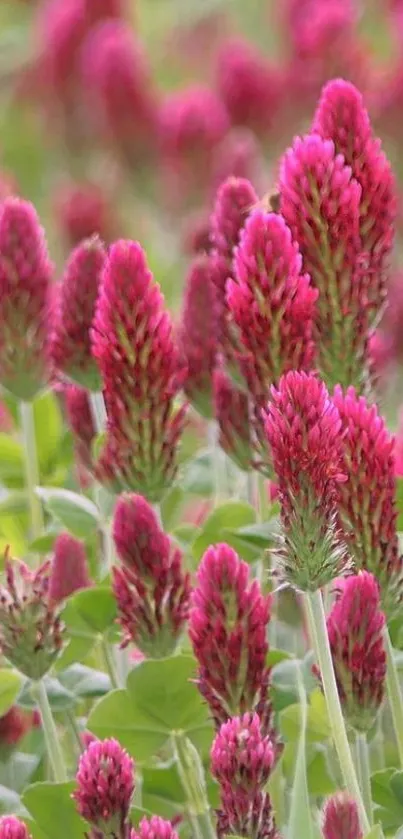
389 809
226 517
48 430
17 771
162 791
13 503
51 806
171 506
198 476
60 699
10 803
399 503
317 723
95 607
160 698
10 686
375 832
77 513
11 461
85 682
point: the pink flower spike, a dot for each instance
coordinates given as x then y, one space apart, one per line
154 828
198 339
142 371
69 572
249 86
71 344
31 633
151 589
25 300
320 202
355 629
231 408
271 302
13 828
242 759
340 818
105 786
367 500
342 118
80 420
234 201
303 428
227 627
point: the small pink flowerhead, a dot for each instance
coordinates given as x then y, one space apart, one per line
249 86
69 571
77 295
234 201
320 202
13 727
142 371
82 211
119 89
303 428
105 785
13 828
81 423
228 629
242 755
367 499
154 828
355 628
25 300
271 302
231 409
31 633
140 543
199 333
342 118
340 818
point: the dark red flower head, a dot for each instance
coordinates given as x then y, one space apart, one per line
105 785
69 572
340 818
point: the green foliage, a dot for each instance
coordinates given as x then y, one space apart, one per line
75 512
51 806
10 684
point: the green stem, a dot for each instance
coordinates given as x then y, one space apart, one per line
51 736
98 410
364 773
394 693
324 657
71 725
194 786
109 662
31 467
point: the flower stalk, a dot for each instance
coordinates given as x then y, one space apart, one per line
394 694
194 785
318 621
364 773
51 736
31 467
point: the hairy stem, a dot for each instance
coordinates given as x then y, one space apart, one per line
109 660
52 741
194 786
364 773
394 693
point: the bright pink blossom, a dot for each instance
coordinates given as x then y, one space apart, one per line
199 333
355 628
105 785
25 300
142 372
367 498
228 629
69 572
320 202
13 828
80 420
340 818
249 86
234 201
71 343
242 758
154 828
271 302
303 427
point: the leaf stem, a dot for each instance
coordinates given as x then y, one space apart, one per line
54 751
364 773
394 693
324 657
109 662
31 467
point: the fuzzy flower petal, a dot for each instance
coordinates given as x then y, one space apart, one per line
154 828
69 572
340 818
13 828
105 785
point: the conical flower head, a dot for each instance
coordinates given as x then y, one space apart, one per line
340 818
271 302
342 118
69 572
367 498
234 201
198 333
303 427
151 589
13 828
154 828
81 422
320 201
25 300
355 628
249 85
30 629
242 758
105 785
231 408
142 373
227 627
71 343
